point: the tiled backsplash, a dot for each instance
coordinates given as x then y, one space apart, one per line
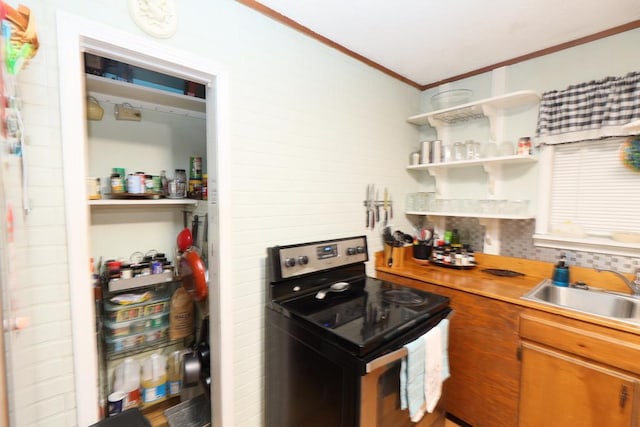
517 241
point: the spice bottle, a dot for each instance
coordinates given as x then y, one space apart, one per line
117 183
205 187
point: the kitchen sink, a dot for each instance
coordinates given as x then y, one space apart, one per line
592 301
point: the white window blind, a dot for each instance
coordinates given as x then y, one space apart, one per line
592 188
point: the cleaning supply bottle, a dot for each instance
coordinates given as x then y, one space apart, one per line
174 373
561 272
154 378
131 382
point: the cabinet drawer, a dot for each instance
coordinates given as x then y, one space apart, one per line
609 347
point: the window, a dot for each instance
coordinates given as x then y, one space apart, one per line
590 200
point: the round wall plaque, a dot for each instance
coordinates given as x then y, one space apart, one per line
158 18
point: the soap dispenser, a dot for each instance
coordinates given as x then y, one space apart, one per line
561 272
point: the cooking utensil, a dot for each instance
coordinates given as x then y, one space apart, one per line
336 287
193 273
366 206
377 206
194 229
372 207
185 238
386 206
190 369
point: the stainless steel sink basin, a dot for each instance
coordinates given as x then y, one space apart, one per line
592 301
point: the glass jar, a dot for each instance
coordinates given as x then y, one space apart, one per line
472 150
181 181
458 153
117 184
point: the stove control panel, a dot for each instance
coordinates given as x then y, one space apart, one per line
305 258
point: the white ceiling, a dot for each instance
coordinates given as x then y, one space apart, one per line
427 41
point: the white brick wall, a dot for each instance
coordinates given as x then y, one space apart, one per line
310 128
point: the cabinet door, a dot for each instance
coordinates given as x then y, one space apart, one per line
483 343
559 390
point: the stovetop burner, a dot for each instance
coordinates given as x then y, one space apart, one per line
403 297
366 315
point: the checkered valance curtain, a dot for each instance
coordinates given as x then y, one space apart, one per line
591 110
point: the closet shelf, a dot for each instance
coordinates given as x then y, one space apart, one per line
122 89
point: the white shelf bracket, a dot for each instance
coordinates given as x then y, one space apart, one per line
438 125
494 177
440 176
492 114
491 235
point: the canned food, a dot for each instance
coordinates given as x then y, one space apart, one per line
134 184
157 184
148 184
195 170
195 187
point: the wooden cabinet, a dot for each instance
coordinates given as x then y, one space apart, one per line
577 374
483 346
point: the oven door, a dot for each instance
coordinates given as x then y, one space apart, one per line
380 396
380 391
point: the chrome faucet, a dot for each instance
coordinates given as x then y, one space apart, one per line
633 285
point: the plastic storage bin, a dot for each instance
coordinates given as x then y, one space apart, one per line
157 304
118 345
134 327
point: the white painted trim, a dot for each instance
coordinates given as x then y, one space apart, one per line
545 175
598 245
75 34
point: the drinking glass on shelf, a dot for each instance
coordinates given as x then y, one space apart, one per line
410 202
458 152
507 148
490 150
447 152
472 150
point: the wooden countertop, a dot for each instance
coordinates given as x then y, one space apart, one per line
508 289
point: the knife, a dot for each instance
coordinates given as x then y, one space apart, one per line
375 203
386 206
366 205
372 206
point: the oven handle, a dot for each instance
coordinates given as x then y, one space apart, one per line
391 357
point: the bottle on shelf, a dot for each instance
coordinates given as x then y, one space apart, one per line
154 378
174 373
164 182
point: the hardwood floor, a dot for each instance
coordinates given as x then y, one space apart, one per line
449 423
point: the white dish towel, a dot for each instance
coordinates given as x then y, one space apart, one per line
424 370
433 365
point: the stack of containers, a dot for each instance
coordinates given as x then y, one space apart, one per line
132 326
